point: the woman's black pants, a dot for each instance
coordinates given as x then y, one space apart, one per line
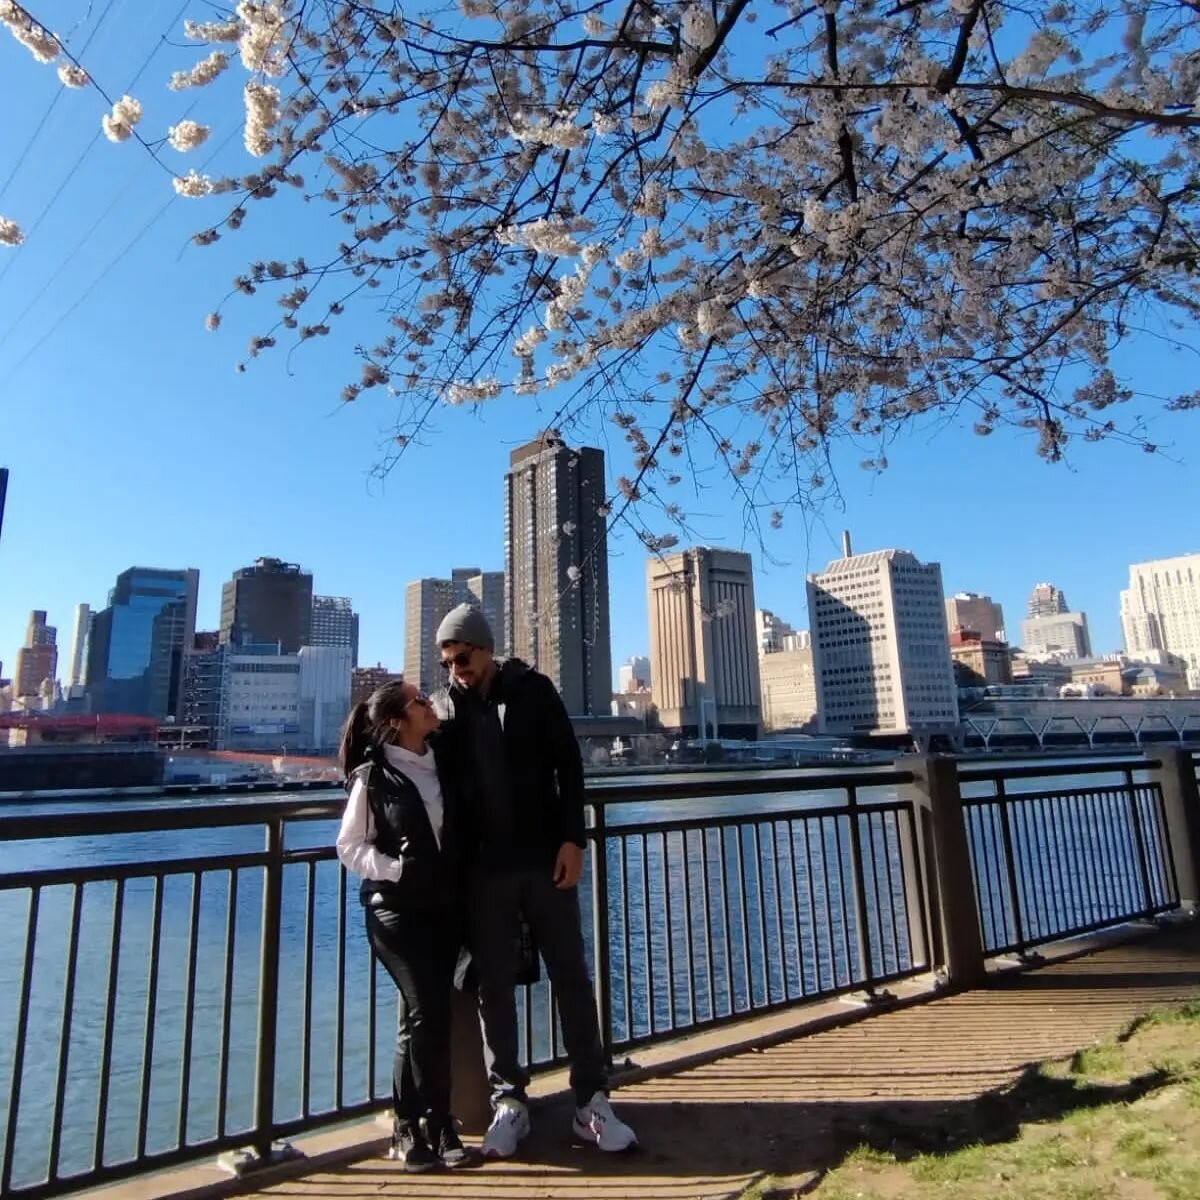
419 950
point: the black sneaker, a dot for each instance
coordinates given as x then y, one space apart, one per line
444 1140
410 1148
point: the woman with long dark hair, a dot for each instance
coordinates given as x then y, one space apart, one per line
397 834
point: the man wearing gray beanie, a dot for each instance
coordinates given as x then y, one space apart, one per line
522 834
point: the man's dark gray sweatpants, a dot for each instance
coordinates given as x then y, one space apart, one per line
495 900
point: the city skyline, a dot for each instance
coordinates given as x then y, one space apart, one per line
636 644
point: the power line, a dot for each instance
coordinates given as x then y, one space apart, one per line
70 175
137 237
33 137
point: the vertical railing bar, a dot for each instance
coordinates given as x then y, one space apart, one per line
708 938
743 907
672 1023
1010 866
833 970
627 949
688 959
1036 810
1109 868
1058 865
1148 903
1078 859
339 1031
372 1020
923 867
227 1004
601 933
151 1016
1130 853
22 1030
783 957
1083 809
890 824
644 842
528 1025
1166 849
793 871
760 883
990 833
310 914
723 876
1026 868
64 1039
553 1030
874 852
268 990
189 1008
845 901
110 1014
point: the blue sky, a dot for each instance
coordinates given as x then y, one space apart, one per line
132 440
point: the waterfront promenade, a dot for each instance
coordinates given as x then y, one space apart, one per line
933 1073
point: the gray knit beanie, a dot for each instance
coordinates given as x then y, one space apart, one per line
466 624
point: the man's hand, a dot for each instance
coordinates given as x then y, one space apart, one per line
568 866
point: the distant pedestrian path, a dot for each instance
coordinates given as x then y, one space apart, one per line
798 1106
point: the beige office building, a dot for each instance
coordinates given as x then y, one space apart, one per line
1160 611
426 602
789 688
556 567
703 645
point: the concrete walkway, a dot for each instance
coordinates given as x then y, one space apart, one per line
794 1108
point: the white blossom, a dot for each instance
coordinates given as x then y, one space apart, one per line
213 31
73 76
10 232
472 391
525 345
604 123
41 43
561 131
193 184
212 322
262 115
574 574
119 124
546 236
204 72
569 528
262 40
698 27
187 135
594 24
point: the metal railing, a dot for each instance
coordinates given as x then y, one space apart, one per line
184 980
1054 863
200 980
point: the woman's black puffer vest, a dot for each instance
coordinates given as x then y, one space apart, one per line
429 878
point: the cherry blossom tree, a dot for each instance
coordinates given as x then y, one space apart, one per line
740 230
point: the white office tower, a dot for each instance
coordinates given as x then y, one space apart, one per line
881 654
1160 612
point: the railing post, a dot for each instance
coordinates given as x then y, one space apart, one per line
862 920
950 885
268 991
913 865
602 982
1176 777
1139 837
263 1150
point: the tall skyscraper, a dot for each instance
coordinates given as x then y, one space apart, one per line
3 495
324 695
137 644
556 569
79 639
633 675
703 646
426 602
335 623
880 649
1160 612
268 603
1052 630
976 614
203 682
37 660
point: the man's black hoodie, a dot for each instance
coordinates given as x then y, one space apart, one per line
520 770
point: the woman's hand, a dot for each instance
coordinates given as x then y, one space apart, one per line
568 867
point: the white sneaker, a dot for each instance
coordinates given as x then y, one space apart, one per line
597 1124
510 1124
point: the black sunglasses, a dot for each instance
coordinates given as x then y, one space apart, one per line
458 660
420 698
